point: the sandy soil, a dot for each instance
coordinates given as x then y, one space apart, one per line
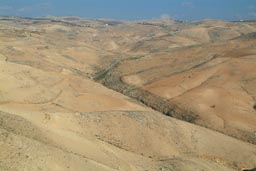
55 116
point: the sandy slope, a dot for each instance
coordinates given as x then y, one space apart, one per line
61 133
53 116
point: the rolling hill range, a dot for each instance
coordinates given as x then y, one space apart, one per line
105 95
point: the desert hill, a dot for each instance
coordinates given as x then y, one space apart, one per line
97 94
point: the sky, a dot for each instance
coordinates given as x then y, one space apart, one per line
133 9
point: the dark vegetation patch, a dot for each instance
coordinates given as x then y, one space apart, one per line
250 169
213 106
254 107
246 36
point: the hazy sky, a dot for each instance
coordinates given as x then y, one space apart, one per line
133 9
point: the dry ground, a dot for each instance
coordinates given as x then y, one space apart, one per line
54 116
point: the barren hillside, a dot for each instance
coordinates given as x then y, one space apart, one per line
86 94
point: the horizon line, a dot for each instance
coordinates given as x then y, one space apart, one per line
124 20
